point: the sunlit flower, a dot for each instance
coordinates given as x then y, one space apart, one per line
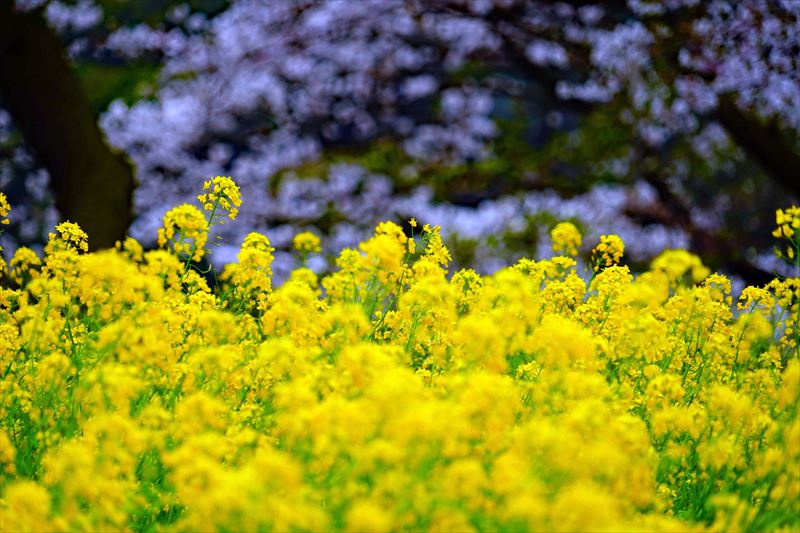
223 196
565 238
306 243
5 209
608 251
391 395
185 230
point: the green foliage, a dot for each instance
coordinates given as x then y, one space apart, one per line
119 12
105 83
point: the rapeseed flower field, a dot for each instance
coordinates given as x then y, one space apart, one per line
390 394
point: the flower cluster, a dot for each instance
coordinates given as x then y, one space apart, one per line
186 230
394 395
306 243
788 221
250 280
566 238
608 251
5 209
223 195
69 235
677 264
24 265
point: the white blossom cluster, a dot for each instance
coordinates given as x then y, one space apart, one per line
746 50
751 51
66 17
269 85
265 86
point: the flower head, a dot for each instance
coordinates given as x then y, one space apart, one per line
566 238
788 227
251 277
24 264
306 243
223 194
608 252
70 235
187 229
679 265
788 221
5 209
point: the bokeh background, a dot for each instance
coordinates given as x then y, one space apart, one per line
673 123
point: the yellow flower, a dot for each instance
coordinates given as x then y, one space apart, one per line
608 252
389 395
250 280
131 248
753 296
8 453
26 507
186 229
435 248
369 517
24 265
223 195
306 243
386 251
680 264
71 236
5 208
788 227
566 238
788 222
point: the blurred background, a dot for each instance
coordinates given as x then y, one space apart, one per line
673 123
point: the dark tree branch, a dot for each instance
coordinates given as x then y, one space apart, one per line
93 186
763 143
672 211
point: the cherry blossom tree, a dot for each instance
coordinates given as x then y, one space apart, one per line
668 121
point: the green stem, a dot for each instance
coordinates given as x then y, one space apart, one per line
194 243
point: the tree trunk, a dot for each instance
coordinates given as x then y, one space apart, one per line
93 186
